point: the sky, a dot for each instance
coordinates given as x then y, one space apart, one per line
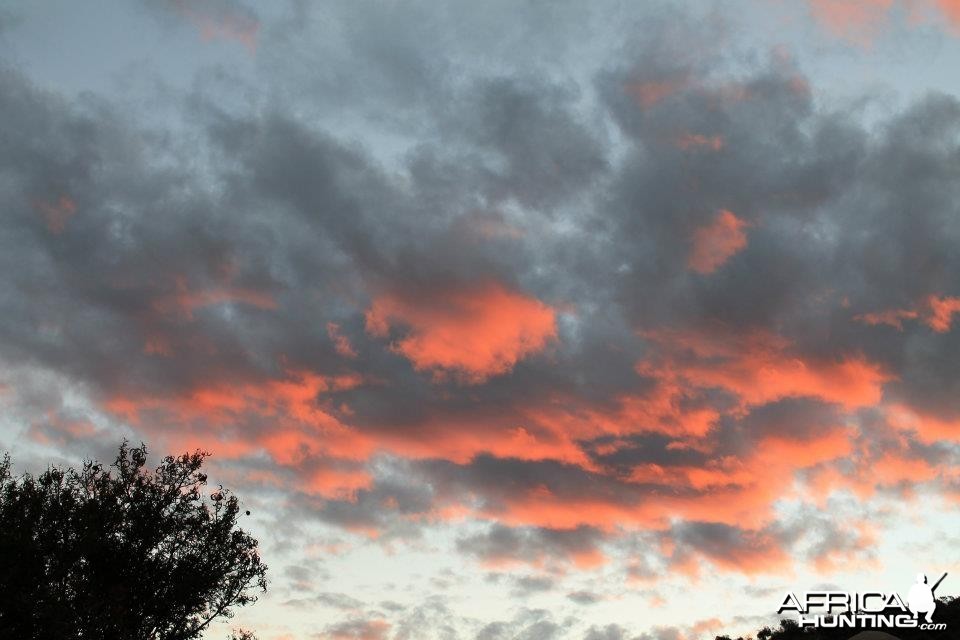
508 319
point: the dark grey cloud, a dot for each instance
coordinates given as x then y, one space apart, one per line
292 201
724 543
529 544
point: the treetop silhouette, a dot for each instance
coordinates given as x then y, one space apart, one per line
121 551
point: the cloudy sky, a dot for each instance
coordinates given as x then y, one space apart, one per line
510 319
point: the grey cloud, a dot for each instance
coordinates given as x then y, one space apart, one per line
431 619
527 624
528 585
584 597
547 155
327 599
725 544
358 628
662 633
608 632
530 544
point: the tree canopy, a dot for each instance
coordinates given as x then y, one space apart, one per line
122 551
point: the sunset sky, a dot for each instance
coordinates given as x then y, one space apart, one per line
506 319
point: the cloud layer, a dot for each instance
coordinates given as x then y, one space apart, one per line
606 310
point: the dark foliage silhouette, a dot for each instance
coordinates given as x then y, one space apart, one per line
121 552
948 611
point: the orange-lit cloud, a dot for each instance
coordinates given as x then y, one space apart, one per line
221 21
928 427
185 300
298 428
471 333
940 313
688 141
934 311
858 21
732 489
359 629
862 21
707 626
157 346
803 452
759 367
340 342
459 438
55 429
714 243
56 213
951 11
893 317
891 469
304 432
649 94
735 490
668 407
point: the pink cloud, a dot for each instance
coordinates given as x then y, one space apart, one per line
934 311
716 242
221 20
650 93
473 333
858 21
340 342
56 213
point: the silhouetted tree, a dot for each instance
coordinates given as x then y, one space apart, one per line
121 552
